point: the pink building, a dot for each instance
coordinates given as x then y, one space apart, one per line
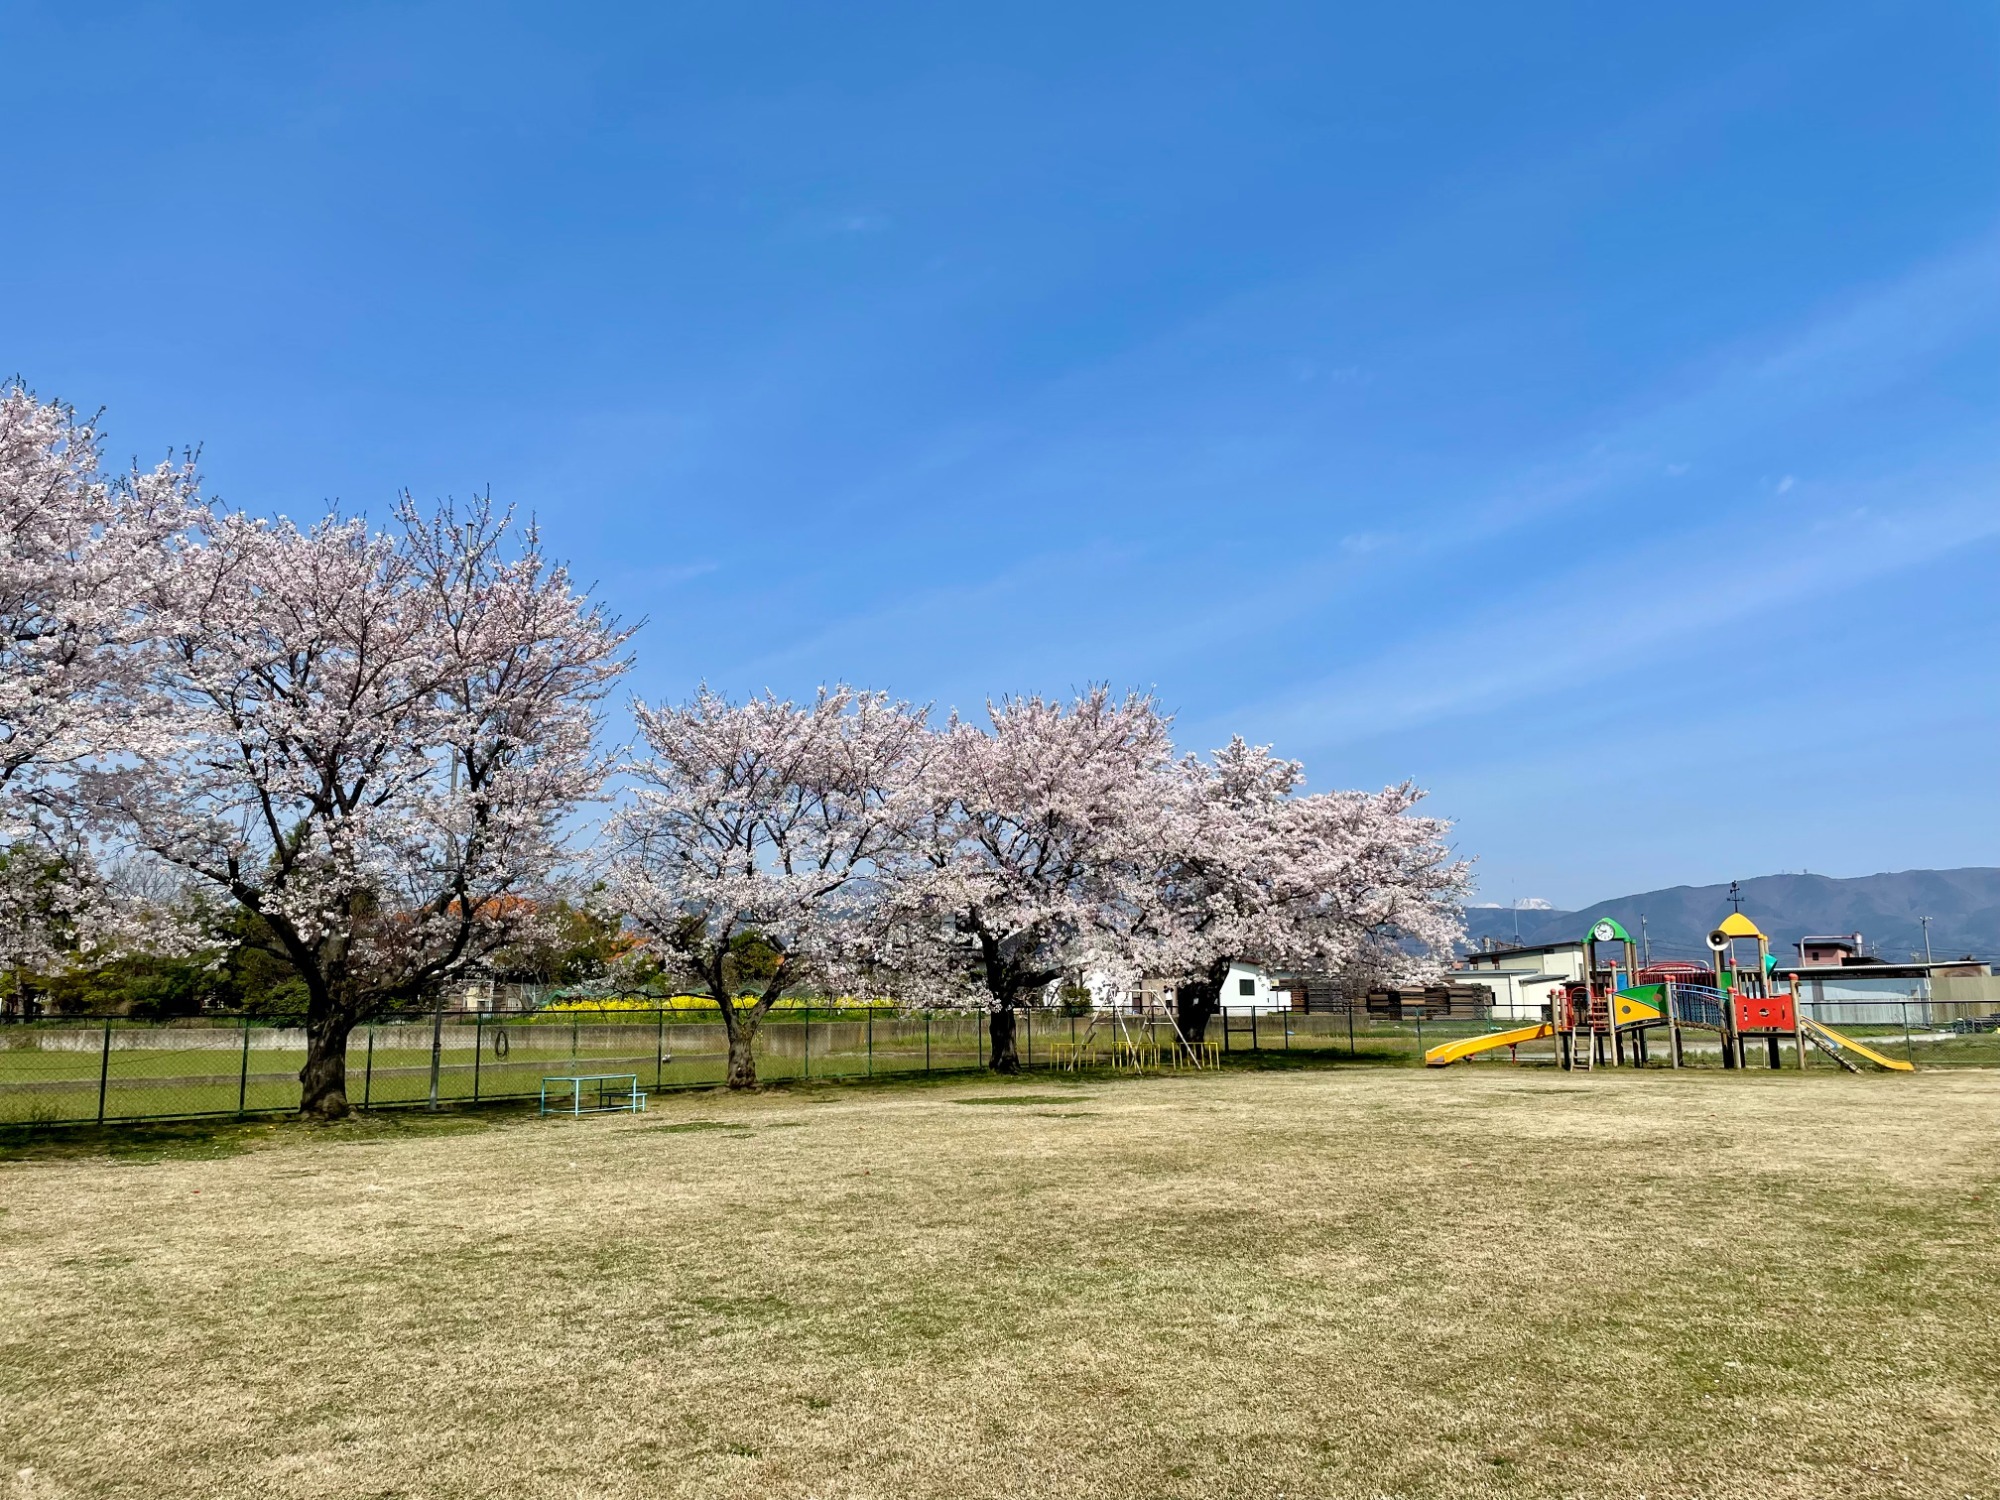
1825 952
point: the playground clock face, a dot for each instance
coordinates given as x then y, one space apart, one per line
1604 932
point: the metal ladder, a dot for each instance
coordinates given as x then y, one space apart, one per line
1831 1048
1586 1035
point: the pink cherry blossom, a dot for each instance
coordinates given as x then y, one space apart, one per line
79 550
771 823
1032 860
1334 882
371 740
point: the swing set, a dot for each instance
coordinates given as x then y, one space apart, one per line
1111 1040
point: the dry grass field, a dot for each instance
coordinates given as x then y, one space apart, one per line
1363 1282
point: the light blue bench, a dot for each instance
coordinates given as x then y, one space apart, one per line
593 1094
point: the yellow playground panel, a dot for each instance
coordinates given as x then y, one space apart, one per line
1633 1012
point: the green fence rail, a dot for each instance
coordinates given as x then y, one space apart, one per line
94 1070
97 1070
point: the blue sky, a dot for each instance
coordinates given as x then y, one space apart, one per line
1588 411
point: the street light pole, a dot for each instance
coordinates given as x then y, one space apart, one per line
1927 938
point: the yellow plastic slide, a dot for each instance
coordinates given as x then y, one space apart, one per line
1451 1052
1848 1044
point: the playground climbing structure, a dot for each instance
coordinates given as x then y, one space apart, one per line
1611 1017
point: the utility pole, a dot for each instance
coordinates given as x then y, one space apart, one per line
1927 938
1736 895
1645 944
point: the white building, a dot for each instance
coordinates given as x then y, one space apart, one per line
1523 979
1247 989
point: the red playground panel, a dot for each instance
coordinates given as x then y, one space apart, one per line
1759 1013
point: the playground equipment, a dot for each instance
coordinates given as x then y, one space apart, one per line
1758 1009
1837 1046
1606 1018
1451 1052
1596 1018
577 1094
1129 1045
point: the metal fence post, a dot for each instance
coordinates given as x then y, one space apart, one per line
660 1046
104 1071
809 1041
368 1073
871 1041
1350 1027
1253 1028
243 1078
478 1049
1909 1052
1420 1031
927 1041
437 1044
1028 1022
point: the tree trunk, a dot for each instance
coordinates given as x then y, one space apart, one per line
323 1080
1194 1007
742 1060
1000 1030
1197 1000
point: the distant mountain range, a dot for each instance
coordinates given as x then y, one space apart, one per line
1964 906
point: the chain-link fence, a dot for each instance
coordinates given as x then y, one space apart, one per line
1923 1033
109 1070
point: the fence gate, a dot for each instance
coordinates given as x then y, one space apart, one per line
1239 1031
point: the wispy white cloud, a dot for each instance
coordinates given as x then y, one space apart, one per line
1574 629
959 625
666 574
1871 341
1854 350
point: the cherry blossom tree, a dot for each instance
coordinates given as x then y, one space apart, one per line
1035 850
761 839
79 549
1246 869
371 741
